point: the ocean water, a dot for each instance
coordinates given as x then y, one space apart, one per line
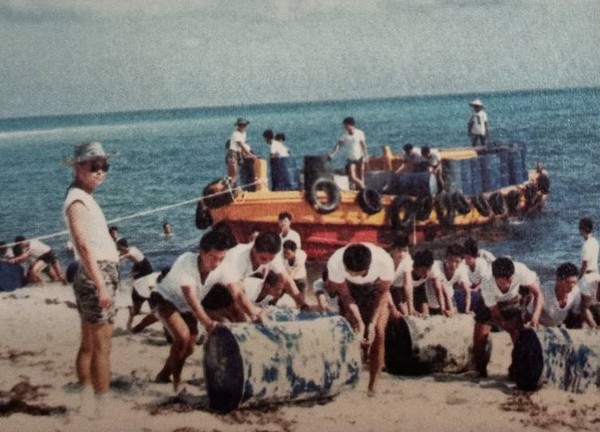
167 157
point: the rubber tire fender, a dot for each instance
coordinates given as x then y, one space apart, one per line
460 203
424 208
405 203
497 203
444 209
332 190
481 205
203 217
512 201
369 201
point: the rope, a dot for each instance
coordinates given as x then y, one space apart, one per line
229 190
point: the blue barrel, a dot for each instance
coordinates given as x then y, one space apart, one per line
517 164
283 173
452 176
463 176
476 176
567 359
377 180
414 184
249 365
247 175
12 276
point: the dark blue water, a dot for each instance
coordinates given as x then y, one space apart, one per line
167 157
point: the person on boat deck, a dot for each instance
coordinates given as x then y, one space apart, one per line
141 265
177 300
114 233
357 155
502 292
401 291
477 269
238 149
478 126
361 275
328 302
280 136
590 248
563 299
422 264
589 285
442 297
254 274
294 260
276 148
412 159
287 233
433 161
39 256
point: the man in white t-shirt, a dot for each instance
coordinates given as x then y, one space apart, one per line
141 265
401 291
412 159
503 291
177 300
356 147
39 256
238 148
361 275
443 278
589 286
590 248
244 265
276 148
479 266
478 126
287 233
433 162
562 298
294 260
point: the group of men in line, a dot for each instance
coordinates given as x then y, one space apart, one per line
354 141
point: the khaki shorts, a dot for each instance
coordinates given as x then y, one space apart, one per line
86 294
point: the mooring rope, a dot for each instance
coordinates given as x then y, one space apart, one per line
229 190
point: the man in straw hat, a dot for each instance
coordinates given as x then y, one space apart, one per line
237 148
98 277
478 127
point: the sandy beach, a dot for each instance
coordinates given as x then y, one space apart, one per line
38 342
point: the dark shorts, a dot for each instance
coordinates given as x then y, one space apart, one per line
509 311
365 296
398 295
233 156
164 308
420 295
141 269
86 295
217 298
49 258
354 162
136 298
301 284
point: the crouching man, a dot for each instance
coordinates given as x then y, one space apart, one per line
361 275
504 292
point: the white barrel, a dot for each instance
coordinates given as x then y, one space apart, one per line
566 359
248 364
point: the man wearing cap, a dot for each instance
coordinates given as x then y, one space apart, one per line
98 277
478 127
237 148
356 145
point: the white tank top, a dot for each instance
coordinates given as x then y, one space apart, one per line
95 226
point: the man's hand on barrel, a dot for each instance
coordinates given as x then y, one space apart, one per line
533 323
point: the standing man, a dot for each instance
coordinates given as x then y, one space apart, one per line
238 148
276 147
502 292
590 248
478 126
356 145
361 275
98 276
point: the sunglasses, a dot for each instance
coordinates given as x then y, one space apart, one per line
96 166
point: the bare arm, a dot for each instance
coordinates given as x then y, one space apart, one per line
588 317
76 214
192 299
322 302
290 287
241 302
409 293
336 148
439 294
363 144
538 302
352 313
584 266
467 292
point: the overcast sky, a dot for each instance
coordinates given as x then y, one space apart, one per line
80 56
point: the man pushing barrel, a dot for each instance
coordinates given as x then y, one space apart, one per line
361 275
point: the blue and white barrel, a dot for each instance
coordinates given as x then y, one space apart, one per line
566 359
424 345
248 364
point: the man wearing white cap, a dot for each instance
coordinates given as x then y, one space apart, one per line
478 127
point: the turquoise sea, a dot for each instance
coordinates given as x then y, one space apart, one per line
168 156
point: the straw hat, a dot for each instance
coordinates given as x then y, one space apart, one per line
88 151
241 122
476 102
